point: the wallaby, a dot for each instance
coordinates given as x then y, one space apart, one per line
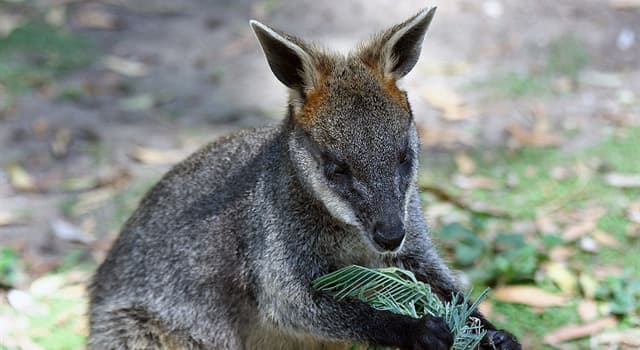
221 252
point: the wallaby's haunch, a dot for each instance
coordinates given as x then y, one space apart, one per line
222 251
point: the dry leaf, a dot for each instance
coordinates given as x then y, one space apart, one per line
624 4
125 67
444 137
579 331
588 310
588 285
562 277
94 16
535 137
69 232
606 239
633 212
449 102
9 22
588 244
545 224
625 340
561 253
528 295
92 200
56 16
578 230
9 219
474 182
464 163
622 180
20 179
148 155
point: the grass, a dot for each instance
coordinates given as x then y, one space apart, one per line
36 53
566 57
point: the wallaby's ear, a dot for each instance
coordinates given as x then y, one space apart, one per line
288 58
397 50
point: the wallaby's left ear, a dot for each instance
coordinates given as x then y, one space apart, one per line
397 50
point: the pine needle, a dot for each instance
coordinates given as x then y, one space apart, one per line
398 291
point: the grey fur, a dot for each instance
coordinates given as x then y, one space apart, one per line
221 252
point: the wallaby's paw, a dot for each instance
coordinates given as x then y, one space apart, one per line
432 334
500 340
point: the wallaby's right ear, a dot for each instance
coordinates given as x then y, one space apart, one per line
289 59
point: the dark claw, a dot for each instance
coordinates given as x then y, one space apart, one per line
500 340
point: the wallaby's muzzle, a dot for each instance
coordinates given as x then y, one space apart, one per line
388 234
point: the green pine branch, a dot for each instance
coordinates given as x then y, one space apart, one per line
398 291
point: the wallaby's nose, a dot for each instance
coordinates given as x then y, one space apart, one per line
388 235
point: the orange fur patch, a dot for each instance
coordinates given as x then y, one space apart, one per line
395 93
313 105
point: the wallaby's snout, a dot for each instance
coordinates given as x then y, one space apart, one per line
389 233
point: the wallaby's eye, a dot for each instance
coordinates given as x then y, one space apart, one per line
404 162
404 157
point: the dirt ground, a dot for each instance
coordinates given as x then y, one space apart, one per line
171 75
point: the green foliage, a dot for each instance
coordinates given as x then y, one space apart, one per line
507 258
622 294
398 291
8 266
567 56
35 53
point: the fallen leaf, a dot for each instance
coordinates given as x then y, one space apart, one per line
588 285
606 239
20 300
626 339
474 182
528 295
535 137
148 155
588 244
588 310
578 230
69 232
545 223
56 16
20 179
564 278
46 285
444 137
94 16
125 66
449 102
9 22
579 331
10 219
624 4
561 253
486 308
92 200
622 180
633 212
464 163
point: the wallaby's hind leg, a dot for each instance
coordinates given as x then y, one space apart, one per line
132 329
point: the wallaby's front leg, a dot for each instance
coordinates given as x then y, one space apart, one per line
320 315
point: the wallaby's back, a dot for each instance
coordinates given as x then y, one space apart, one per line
186 240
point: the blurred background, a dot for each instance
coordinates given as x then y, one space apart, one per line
529 114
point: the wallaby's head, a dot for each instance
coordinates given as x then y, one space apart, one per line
352 136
